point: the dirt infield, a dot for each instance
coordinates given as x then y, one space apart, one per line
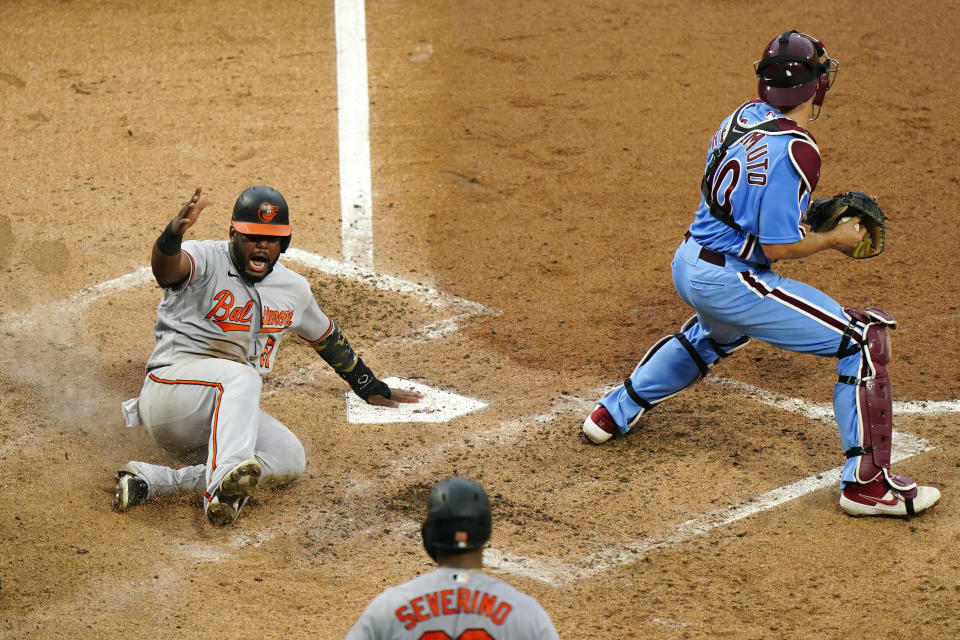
539 160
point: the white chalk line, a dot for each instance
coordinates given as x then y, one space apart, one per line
556 572
424 293
823 411
546 569
353 103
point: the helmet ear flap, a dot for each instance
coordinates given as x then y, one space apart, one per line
823 83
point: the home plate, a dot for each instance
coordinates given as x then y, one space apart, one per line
435 406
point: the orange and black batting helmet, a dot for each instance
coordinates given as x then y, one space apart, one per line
262 211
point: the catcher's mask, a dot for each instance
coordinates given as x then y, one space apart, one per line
794 67
458 518
262 211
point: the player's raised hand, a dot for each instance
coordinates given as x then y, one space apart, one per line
168 263
189 212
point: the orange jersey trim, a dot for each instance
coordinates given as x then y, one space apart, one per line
324 335
216 411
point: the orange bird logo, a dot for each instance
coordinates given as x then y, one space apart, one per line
267 211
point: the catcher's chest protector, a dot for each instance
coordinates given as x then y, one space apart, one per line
735 132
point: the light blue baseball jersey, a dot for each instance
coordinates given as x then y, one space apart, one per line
763 181
761 184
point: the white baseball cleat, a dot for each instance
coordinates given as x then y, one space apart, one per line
599 425
877 498
234 491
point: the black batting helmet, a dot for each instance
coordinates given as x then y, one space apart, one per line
794 67
262 211
458 518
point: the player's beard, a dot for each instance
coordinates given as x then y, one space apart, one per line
238 263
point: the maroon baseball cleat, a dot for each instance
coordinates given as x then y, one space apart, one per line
878 498
599 426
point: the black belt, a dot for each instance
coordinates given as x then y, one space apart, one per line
708 255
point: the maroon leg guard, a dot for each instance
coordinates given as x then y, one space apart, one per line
875 400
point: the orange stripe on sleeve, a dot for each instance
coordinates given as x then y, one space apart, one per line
329 331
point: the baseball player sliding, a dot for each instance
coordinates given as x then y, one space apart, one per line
455 601
760 172
225 307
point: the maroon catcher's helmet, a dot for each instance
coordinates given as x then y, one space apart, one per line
794 68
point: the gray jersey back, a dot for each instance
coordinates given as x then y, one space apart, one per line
215 313
453 604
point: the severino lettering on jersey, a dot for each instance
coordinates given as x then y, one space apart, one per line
457 600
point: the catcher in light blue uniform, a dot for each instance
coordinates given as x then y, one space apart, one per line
760 172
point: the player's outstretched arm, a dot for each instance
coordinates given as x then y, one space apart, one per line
337 352
169 265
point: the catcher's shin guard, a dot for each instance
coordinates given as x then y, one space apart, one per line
874 400
687 372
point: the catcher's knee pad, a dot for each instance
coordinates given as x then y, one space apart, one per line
696 367
868 333
722 349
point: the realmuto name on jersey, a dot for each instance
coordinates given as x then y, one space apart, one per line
234 317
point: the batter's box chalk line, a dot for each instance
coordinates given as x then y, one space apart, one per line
823 411
143 275
555 571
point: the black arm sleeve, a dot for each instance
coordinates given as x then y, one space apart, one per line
337 352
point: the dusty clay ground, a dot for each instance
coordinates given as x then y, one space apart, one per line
540 158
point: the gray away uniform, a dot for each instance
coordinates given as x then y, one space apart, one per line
453 604
216 335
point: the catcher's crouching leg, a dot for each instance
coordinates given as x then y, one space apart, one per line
876 491
675 365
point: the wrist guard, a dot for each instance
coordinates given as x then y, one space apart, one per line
364 383
169 242
337 352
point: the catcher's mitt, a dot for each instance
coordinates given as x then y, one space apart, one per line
824 214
